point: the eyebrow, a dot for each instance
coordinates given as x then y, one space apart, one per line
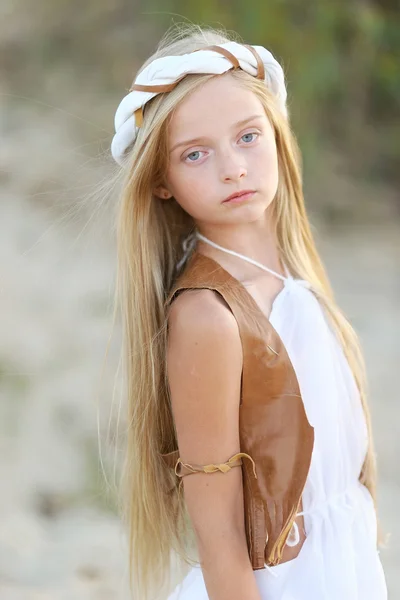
199 139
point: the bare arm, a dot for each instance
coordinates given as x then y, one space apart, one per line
204 364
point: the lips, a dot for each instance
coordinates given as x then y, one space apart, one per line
238 195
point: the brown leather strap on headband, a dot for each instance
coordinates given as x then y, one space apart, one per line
231 57
260 64
139 116
159 89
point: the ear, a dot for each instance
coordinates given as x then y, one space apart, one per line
162 193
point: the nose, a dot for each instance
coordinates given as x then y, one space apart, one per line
232 166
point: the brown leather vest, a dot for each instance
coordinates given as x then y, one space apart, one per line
274 429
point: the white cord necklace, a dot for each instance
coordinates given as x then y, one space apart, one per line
250 260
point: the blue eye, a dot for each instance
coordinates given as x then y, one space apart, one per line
246 135
197 152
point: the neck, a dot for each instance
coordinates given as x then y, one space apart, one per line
257 244
241 256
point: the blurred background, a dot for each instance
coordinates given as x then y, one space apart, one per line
66 64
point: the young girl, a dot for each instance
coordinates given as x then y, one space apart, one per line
236 354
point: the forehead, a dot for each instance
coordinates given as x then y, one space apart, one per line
218 103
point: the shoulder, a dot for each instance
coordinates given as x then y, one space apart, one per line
203 335
202 312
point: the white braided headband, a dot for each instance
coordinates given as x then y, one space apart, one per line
163 74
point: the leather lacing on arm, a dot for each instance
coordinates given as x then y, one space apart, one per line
182 469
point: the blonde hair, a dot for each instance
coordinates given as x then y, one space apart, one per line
150 233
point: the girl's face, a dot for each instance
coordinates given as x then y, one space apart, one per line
220 143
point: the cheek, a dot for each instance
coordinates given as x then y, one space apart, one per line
267 164
188 185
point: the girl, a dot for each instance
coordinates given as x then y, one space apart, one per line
236 354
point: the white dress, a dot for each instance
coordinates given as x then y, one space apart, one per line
339 559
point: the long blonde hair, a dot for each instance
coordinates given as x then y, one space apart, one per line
150 233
